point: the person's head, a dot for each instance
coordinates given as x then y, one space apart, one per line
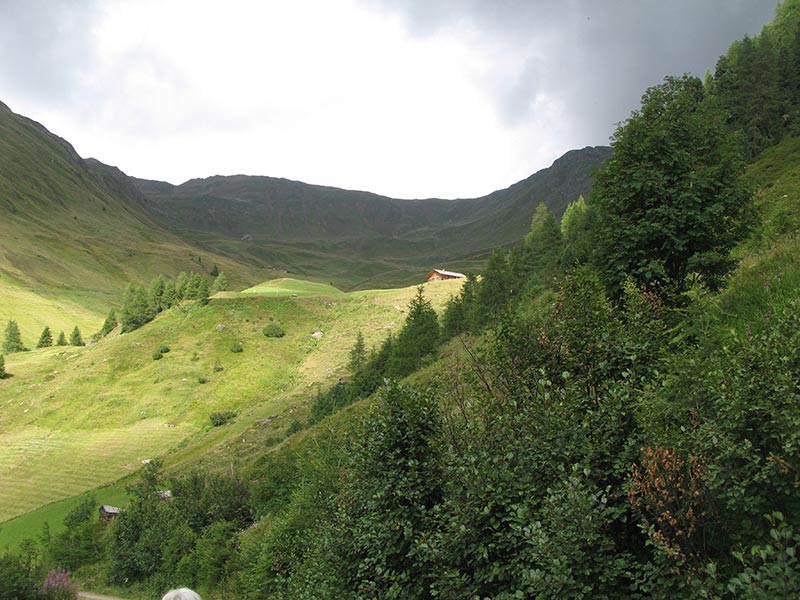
181 594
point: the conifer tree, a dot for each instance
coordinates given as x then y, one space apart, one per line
170 297
13 339
136 308
358 354
62 339
214 271
203 291
493 290
538 257
157 294
2 367
180 286
576 234
46 339
418 338
220 283
190 290
109 324
75 338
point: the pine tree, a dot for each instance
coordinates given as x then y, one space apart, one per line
136 308
46 339
62 339
203 291
418 338
109 324
2 367
13 339
214 271
220 283
538 259
157 294
576 233
180 286
75 338
170 297
358 354
493 290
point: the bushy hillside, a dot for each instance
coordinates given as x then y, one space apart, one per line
93 414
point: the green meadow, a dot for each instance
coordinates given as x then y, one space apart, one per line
76 419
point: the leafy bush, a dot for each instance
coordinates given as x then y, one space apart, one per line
220 418
159 354
236 347
273 330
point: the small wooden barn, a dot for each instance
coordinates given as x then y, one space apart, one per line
108 513
440 274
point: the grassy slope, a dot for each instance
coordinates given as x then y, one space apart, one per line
72 420
69 243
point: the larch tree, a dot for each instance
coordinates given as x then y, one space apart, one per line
13 338
75 338
46 339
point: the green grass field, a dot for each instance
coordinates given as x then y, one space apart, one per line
75 419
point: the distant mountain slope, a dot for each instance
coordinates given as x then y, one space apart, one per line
245 215
72 229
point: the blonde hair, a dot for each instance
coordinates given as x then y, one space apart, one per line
181 594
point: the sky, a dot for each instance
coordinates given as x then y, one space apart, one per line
406 98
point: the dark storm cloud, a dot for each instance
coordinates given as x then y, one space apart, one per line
43 46
599 57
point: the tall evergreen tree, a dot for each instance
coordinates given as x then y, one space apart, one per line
75 338
358 354
136 308
180 285
220 283
493 290
46 339
170 297
576 234
541 249
157 294
418 338
109 324
62 339
197 287
2 367
13 339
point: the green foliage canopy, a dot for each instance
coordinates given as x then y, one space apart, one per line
13 339
669 201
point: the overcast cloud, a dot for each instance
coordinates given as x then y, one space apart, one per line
408 98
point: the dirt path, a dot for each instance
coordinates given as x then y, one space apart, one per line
91 596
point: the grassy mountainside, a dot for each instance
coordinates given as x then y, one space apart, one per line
93 414
307 228
71 238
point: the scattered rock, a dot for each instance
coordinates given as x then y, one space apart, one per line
317 335
220 327
264 422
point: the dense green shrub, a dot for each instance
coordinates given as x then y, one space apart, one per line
220 418
273 330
